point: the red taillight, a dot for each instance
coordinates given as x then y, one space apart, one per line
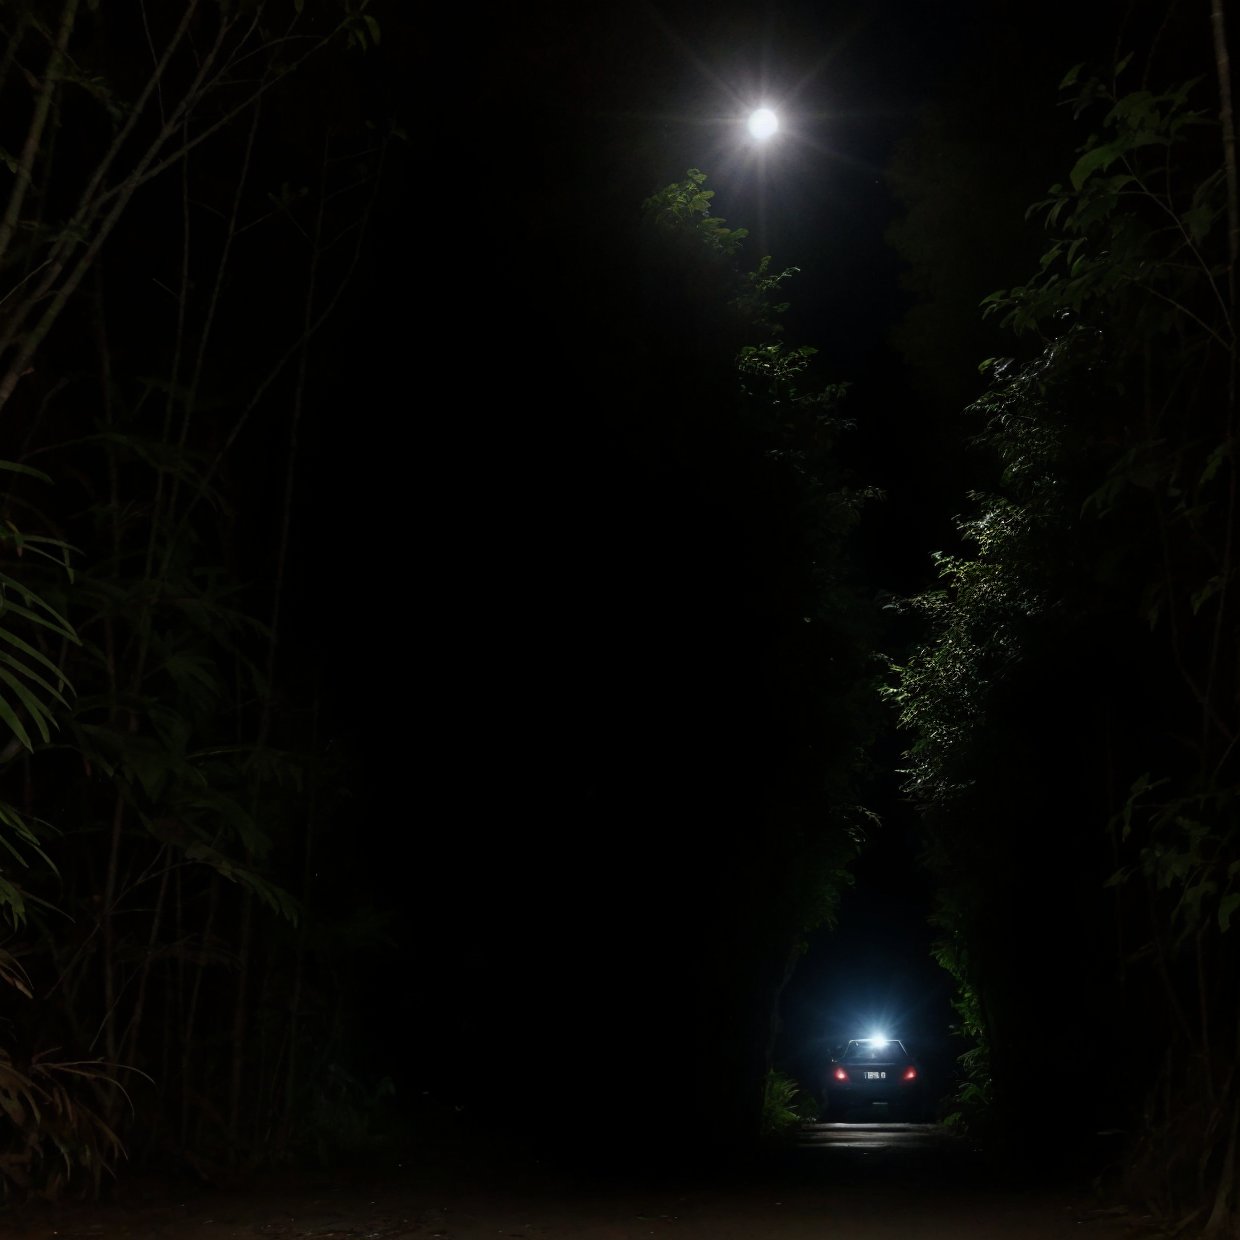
910 1073
840 1074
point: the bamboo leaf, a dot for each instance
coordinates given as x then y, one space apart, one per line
15 724
280 901
39 657
38 712
11 899
18 666
17 824
13 467
12 972
61 627
190 670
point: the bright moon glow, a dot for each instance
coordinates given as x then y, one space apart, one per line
763 123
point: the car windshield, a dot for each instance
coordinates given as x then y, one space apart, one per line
866 1050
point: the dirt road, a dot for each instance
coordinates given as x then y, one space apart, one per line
841 1181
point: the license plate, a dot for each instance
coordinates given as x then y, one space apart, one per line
876 1076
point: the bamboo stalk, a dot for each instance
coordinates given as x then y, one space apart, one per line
189 1026
130 1044
1222 60
1227 123
108 929
240 1022
38 122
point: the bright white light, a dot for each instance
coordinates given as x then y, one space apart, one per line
878 1041
763 123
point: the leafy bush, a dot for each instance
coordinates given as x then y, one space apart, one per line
784 1107
56 1139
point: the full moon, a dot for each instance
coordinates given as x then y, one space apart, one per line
763 123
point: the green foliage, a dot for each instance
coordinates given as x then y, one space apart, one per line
1184 852
988 598
684 206
1130 230
159 818
361 28
766 441
680 213
20 839
971 1106
35 639
995 600
56 1139
754 301
33 632
1100 573
784 1108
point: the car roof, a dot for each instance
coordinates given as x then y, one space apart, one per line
895 1043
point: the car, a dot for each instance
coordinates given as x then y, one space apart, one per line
867 1071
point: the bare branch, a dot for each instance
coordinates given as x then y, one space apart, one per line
86 224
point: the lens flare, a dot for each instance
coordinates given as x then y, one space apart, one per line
763 123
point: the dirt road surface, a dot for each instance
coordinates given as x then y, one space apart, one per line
839 1182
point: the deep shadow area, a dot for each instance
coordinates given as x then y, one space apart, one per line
866 1181
629 734
551 665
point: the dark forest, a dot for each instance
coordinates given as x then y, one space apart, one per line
522 612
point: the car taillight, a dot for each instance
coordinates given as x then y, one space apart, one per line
840 1074
910 1073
